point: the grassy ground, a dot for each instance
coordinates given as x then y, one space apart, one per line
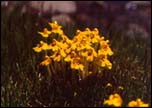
22 85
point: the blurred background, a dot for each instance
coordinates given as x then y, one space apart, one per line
127 24
124 16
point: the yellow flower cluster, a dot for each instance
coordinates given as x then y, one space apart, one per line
137 103
116 100
86 49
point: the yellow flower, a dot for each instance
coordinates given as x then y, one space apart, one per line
78 32
103 61
137 103
84 41
108 64
62 52
37 49
94 36
47 61
75 40
56 56
114 100
65 42
54 46
96 31
45 46
120 87
74 44
69 48
65 39
70 57
86 32
105 48
41 46
45 33
109 85
56 28
89 54
76 63
55 25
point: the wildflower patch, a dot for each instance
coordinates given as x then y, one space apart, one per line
87 49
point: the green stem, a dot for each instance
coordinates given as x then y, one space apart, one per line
86 68
85 71
49 70
48 67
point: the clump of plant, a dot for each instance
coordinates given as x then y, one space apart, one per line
87 52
